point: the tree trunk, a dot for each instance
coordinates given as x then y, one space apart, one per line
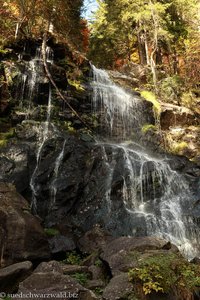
146 48
141 49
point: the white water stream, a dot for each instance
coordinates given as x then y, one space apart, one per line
58 162
150 189
43 137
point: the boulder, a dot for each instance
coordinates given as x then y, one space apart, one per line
94 284
122 253
118 288
173 114
60 243
11 276
94 239
22 237
51 266
48 279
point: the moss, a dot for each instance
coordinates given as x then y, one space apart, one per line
5 136
151 97
82 278
177 148
51 232
3 143
164 273
148 127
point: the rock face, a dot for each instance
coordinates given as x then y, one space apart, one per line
173 115
72 194
118 288
22 237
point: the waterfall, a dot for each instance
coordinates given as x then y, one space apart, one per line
58 162
122 113
30 78
43 137
152 195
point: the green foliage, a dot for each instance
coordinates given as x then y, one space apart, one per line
171 88
148 127
73 258
189 100
98 263
98 291
51 232
82 278
156 33
164 272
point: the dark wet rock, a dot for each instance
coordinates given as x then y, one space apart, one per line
11 276
118 288
59 76
60 243
22 237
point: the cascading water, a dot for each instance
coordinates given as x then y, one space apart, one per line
31 77
154 196
121 112
54 187
43 137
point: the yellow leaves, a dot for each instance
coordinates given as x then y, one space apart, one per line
150 286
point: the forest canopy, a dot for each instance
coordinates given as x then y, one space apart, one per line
29 18
162 34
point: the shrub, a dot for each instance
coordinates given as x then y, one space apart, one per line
73 258
163 273
171 88
82 278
